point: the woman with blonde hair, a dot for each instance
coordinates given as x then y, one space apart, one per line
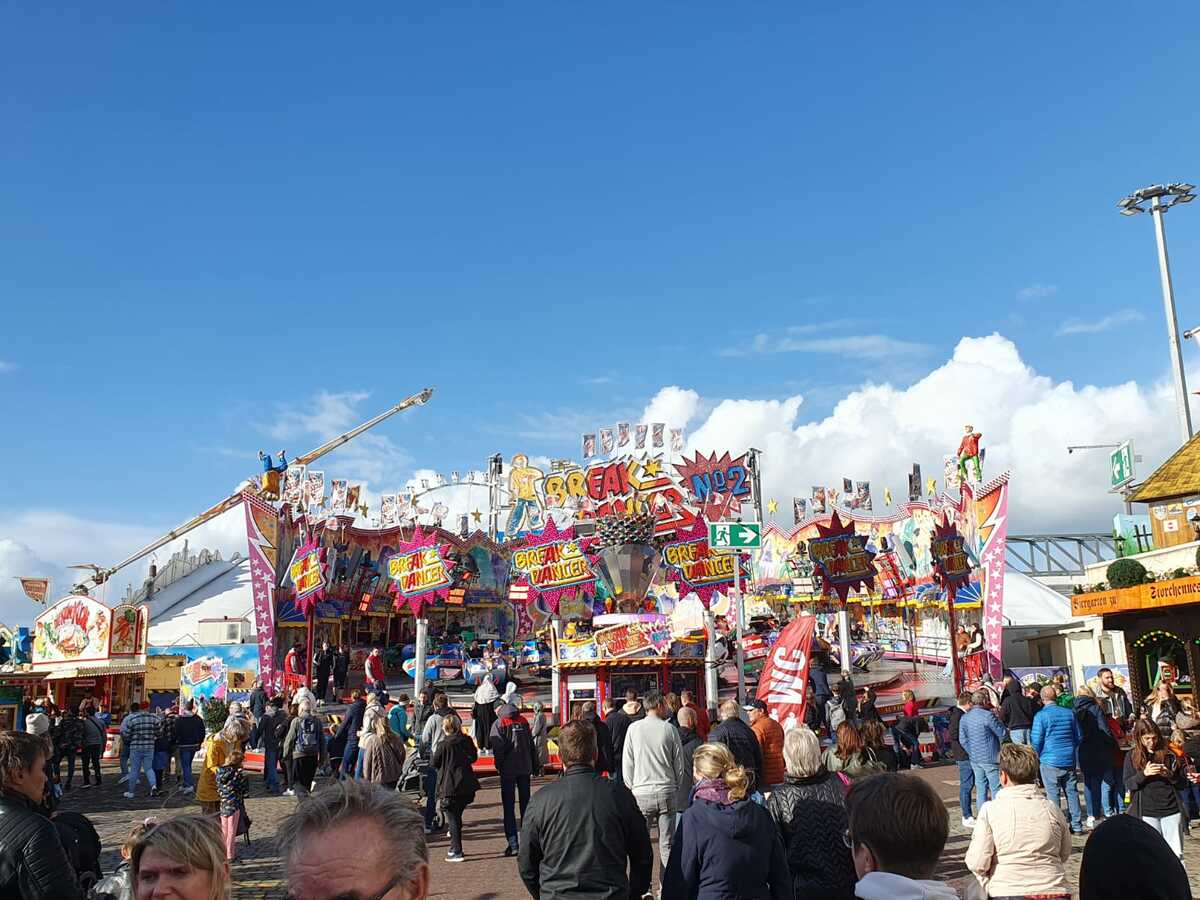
382 755
726 845
456 781
217 748
181 858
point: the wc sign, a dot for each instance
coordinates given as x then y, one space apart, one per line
784 680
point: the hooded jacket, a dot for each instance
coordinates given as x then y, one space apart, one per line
886 886
512 744
352 724
604 751
618 723
688 741
1016 709
742 743
726 850
569 856
189 730
1096 745
33 863
1055 736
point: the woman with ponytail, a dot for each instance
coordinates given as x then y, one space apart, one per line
725 838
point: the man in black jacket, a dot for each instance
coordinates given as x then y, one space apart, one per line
966 775
512 748
189 733
618 723
587 713
740 739
347 733
269 728
33 863
322 667
569 856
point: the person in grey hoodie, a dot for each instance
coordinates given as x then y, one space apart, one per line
654 771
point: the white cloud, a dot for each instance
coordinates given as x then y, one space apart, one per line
674 406
877 431
327 414
866 346
1106 323
1037 291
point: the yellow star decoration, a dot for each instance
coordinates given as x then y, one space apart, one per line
477 516
772 507
650 467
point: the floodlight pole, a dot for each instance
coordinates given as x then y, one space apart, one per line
1181 396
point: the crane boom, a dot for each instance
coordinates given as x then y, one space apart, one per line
235 498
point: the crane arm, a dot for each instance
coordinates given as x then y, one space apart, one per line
234 499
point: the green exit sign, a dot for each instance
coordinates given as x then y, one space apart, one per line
1121 465
735 535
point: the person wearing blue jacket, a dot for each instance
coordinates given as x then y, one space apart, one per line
980 734
1056 738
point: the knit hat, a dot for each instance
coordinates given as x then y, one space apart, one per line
1125 857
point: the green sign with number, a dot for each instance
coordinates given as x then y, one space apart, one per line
1121 465
734 535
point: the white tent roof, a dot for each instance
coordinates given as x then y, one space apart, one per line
1029 602
221 589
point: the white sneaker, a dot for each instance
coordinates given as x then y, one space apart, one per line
968 822
289 793
127 795
1091 822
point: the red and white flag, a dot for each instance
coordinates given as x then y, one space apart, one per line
784 680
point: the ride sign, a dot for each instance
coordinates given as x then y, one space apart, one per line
553 563
632 638
419 570
692 564
307 571
842 558
949 558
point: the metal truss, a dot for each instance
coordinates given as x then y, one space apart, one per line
1039 555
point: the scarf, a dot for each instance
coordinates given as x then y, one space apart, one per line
712 790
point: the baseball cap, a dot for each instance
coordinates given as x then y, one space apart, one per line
755 704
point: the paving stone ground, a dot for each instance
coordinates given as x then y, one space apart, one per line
486 874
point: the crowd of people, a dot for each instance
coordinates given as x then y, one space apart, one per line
739 808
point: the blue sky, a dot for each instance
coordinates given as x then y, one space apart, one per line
549 212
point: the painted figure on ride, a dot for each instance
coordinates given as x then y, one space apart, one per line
526 514
968 451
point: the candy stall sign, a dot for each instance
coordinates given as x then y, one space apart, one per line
842 558
632 638
75 629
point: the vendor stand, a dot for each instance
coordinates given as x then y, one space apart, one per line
85 650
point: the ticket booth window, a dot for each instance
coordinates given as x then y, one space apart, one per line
642 682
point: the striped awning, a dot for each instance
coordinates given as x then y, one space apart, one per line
679 662
121 668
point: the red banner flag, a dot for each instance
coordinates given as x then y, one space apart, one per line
784 680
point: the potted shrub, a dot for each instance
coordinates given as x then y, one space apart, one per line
1123 573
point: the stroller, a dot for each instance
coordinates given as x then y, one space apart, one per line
412 782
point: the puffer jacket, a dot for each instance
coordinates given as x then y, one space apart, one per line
810 814
1096 745
33 864
980 733
1020 843
69 735
1055 736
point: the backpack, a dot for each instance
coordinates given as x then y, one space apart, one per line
307 740
837 715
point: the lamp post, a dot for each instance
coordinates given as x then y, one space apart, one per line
1161 198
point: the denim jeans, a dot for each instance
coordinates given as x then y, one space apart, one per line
350 761
1058 780
124 757
1102 792
905 740
514 789
966 784
139 761
271 768
1019 735
987 781
431 776
186 755
659 807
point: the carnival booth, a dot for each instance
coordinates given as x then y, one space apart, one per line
84 650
